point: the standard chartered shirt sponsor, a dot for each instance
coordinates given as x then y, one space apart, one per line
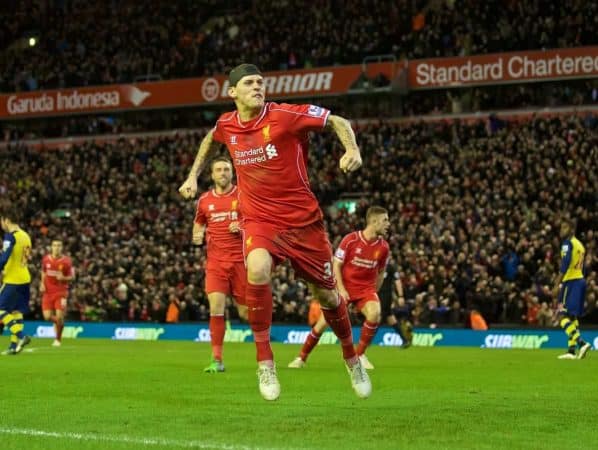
251 156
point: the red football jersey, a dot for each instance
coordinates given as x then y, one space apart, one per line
270 157
362 261
217 212
52 267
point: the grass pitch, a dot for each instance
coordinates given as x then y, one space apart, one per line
100 394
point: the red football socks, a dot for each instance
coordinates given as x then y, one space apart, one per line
368 331
259 308
312 340
58 327
338 319
217 335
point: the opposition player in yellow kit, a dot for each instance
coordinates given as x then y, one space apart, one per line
571 293
14 292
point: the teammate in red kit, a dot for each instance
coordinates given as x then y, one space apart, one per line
268 143
57 273
217 222
359 264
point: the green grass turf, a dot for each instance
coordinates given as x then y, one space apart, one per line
100 394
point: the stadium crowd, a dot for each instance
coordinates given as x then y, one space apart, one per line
474 208
80 43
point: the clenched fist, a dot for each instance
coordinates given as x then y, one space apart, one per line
350 161
189 188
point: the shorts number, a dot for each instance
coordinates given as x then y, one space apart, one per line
327 270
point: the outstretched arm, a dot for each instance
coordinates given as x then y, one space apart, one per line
351 160
207 147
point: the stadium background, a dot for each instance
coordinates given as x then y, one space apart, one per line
478 128
475 164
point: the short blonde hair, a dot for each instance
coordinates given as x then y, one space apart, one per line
374 211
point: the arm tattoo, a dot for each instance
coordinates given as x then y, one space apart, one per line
342 128
207 147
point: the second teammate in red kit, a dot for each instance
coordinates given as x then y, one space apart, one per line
359 264
217 223
57 273
268 143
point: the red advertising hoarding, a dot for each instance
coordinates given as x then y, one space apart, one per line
182 92
436 73
498 68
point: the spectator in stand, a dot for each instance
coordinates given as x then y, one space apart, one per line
459 196
80 43
544 316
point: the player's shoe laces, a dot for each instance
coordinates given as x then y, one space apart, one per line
297 363
567 356
22 344
360 380
365 362
583 351
56 343
214 367
268 382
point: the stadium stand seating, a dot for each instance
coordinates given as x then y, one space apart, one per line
82 43
474 209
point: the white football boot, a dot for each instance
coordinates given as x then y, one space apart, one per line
583 351
268 382
366 362
297 363
360 380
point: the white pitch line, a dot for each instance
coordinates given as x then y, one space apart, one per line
46 349
122 439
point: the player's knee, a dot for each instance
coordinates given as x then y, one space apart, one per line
373 315
243 315
259 266
328 299
217 303
373 318
258 274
